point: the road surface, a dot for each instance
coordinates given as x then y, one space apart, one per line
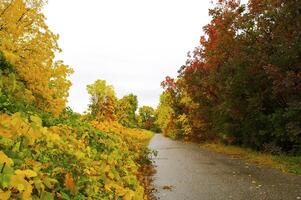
189 172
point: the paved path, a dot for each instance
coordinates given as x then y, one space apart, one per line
189 172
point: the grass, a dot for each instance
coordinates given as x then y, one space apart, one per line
285 163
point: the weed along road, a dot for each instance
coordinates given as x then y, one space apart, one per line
189 172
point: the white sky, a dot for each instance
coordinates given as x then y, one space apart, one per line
133 44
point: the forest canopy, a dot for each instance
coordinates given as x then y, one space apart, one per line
241 85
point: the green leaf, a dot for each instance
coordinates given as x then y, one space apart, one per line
16 147
65 196
5 180
47 196
50 182
12 79
36 120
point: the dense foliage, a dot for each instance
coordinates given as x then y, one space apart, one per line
46 150
71 160
105 106
147 118
242 85
126 111
29 45
103 101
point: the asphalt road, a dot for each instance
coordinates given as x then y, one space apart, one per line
189 172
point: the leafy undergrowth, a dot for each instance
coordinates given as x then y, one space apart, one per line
285 163
138 140
72 160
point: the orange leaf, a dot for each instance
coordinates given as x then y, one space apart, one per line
70 184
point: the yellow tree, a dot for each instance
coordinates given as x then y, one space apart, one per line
165 113
102 101
126 108
29 45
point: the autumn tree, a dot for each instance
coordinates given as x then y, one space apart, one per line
176 111
126 110
14 96
29 46
242 83
165 113
147 118
103 101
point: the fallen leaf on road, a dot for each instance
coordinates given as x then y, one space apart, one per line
167 187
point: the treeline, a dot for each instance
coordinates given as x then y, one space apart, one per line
47 151
106 106
242 84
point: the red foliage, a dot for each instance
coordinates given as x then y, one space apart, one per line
169 83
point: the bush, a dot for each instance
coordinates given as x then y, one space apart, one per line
66 161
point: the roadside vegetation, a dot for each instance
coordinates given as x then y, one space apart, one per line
242 85
47 151
282 162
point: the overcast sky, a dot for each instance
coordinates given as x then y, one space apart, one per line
133 44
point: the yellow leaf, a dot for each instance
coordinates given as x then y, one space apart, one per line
107 187
120 191
26 173
5 133
33 135
27 193
5 159
18 182
53 137
5 195
129 196
79 155
4 126
107 168
111 175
